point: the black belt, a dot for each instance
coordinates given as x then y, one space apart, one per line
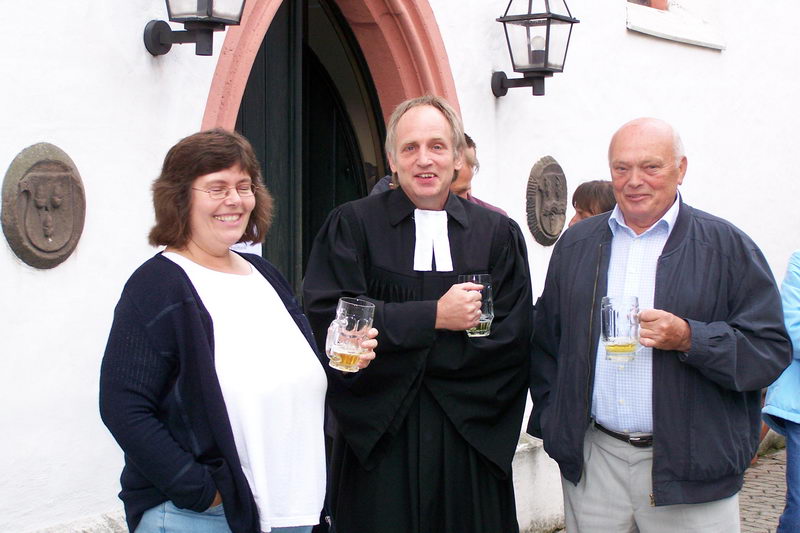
640 441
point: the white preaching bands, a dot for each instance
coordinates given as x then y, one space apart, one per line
432 241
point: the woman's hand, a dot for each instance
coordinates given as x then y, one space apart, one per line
370 344
216 501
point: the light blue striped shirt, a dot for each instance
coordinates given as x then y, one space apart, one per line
622 399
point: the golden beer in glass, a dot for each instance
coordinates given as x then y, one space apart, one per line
484 327
620 327
346 333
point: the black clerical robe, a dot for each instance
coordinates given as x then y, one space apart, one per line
426 434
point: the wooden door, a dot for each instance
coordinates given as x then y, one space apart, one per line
294 115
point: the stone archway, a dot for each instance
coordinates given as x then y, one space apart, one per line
399 38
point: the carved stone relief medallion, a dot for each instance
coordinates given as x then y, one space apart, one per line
546 200
44 205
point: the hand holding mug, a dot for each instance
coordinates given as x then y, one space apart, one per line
369 345
459 308
485 312
350 342
665 331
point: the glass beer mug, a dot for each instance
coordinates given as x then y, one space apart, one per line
484 327
347 331
620 327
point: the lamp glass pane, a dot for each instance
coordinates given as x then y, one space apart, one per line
528 40
182 9
228 10
559 7
526 7
559 39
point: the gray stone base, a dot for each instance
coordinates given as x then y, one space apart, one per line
772 441
113 522
537 488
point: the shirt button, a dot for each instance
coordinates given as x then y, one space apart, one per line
622 402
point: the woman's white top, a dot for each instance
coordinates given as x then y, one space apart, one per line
274 389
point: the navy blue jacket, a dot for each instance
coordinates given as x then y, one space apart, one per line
706 402
161 399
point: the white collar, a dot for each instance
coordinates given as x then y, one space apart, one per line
432 240
617 220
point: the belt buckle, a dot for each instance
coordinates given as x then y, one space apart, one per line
640 442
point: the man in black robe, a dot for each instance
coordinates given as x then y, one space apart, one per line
425 437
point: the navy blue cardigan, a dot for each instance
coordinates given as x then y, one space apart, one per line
161 399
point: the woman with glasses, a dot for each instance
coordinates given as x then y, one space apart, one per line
210 381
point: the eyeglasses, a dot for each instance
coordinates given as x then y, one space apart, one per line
220 193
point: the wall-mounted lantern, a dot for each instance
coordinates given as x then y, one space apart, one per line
201 18
537 33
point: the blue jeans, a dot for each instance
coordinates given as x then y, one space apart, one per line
166 518
790 519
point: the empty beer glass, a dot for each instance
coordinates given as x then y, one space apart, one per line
620 327
484 326
347 331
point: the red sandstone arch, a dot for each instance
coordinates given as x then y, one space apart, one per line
399 38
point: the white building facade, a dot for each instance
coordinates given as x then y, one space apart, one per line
77 75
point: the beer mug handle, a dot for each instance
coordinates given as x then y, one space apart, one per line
333 335
633 318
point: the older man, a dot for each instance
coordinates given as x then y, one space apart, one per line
425 438
659 443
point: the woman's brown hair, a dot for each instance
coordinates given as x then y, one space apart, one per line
594 197
194 156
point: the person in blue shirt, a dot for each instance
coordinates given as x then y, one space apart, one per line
782 407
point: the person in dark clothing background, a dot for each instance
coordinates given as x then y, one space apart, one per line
424 441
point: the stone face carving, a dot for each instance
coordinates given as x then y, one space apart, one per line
44 205
546 200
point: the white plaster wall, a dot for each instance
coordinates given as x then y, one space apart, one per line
736 111
77 75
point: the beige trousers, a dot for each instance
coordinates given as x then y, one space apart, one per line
613 495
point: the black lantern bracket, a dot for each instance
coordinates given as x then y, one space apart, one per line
159 36
200 19
502 83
